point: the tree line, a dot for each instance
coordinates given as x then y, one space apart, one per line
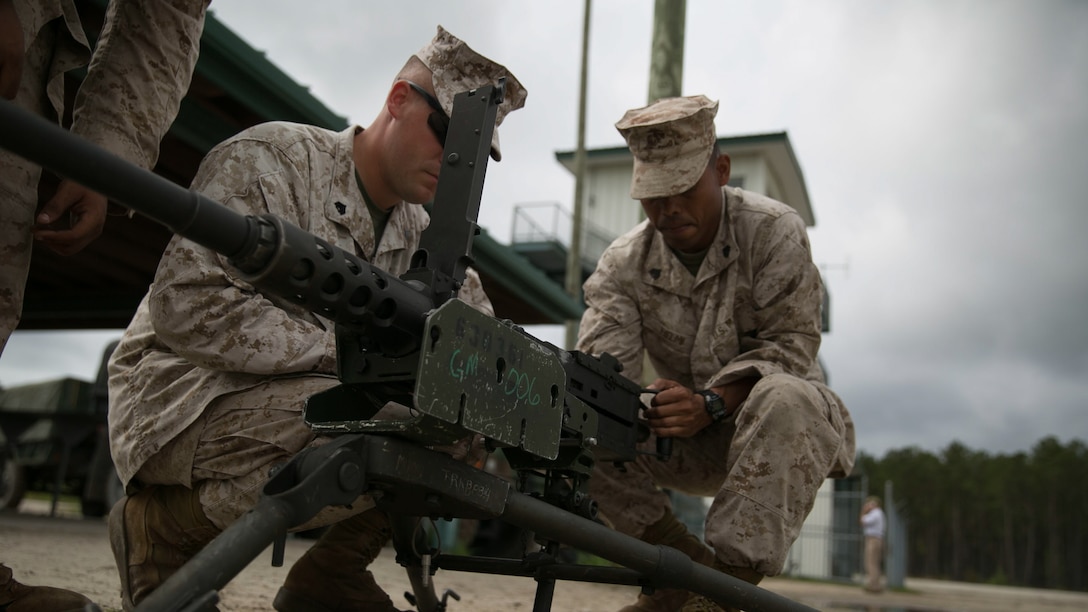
1019 519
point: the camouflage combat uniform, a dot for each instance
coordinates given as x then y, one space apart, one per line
141 69
208 383
752 311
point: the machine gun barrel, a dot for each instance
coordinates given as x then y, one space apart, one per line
185 212
270 253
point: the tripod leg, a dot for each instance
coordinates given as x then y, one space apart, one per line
545 590
404 534
324 476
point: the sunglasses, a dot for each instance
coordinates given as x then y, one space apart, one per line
438 121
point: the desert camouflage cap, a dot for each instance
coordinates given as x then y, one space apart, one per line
456 68
671 141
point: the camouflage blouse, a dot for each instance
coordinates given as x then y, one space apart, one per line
201 332
753 309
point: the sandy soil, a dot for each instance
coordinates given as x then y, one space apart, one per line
68 552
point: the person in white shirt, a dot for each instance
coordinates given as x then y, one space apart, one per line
873 527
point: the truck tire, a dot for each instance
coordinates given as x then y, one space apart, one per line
100 491
114 491
12 483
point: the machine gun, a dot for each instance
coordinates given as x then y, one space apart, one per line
406 340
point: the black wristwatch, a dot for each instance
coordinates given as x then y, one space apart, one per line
714 405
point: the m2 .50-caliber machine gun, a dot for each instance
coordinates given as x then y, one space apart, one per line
408 340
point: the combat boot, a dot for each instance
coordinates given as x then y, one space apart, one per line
152 534
332 576
700 603
670 532
17 597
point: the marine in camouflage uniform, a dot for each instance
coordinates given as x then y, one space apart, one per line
718 289
140 70
209 381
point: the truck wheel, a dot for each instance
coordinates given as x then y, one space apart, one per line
114 491
92 508
12 483
102 488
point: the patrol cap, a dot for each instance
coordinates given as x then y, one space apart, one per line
455 68
671 141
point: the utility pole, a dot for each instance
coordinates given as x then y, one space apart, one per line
667 49
667 53
574 254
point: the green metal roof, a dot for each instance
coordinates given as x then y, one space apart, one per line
518 275
245 75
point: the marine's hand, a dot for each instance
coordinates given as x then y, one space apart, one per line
86 211
11 50
676 411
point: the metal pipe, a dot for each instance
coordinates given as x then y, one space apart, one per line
214 566
573 283
185 212
269 253
664 566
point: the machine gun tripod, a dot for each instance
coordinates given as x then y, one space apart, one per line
405 340
406 478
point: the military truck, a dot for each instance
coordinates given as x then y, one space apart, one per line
53 438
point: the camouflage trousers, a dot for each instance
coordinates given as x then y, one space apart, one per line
19 193
18 196
762 467
229 452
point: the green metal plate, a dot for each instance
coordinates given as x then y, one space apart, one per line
492 378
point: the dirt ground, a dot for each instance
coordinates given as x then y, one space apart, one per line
74 553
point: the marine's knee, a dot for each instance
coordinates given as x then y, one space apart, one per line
786 396
796 413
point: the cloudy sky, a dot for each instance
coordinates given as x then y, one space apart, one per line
943 143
